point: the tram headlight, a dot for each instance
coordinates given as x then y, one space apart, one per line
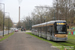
55 35
66 35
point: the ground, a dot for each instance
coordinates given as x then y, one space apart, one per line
22 41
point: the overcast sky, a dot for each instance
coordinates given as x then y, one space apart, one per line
27 6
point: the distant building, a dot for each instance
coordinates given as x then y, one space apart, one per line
14 25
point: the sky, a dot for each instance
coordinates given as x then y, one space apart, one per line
27 6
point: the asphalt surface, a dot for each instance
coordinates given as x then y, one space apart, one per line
5 32
22 41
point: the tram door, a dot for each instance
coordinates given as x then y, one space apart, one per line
52 32
40 31
49 31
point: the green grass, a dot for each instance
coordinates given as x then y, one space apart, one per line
71 39
27 30
71 36
55 43
6 36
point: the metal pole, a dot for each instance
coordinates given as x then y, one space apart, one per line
19 14
3 17
8 24
8 21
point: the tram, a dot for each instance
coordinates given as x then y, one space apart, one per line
53 30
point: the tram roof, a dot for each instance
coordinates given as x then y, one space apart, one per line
56 21
49 22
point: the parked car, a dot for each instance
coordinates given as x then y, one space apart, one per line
23 29
16 30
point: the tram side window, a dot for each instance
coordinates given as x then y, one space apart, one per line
52 30
44 29
37 29
49 29
40 29
32 29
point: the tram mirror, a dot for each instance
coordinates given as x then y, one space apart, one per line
67 27
67 32
48 31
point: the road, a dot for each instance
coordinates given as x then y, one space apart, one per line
22 41
5 32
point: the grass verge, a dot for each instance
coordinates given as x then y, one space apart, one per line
6 36
60 45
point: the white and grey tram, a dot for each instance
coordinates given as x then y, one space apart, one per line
52 30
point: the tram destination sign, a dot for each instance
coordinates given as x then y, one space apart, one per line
61 23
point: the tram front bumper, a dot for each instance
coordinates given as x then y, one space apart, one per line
60 39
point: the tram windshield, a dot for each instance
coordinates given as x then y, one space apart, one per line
61 29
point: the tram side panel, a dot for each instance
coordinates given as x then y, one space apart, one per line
44 32
48 33
52 32
40 32
37 31
32 30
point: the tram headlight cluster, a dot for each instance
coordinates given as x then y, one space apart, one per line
66 35
55 35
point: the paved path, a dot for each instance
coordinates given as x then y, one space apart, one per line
22 41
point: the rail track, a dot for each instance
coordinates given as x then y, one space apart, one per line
67 44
